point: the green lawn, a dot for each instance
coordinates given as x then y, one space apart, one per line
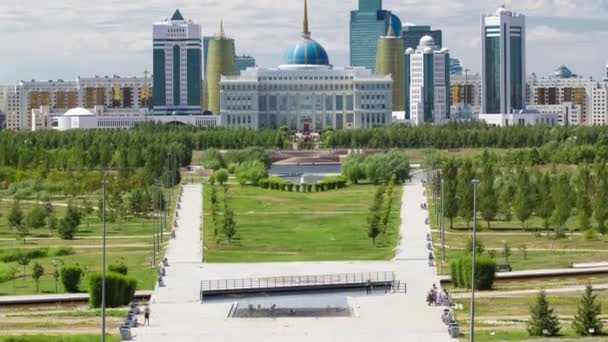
128 241
285 226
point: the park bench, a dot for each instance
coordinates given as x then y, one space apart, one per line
504 268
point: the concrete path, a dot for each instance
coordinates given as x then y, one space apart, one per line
177 314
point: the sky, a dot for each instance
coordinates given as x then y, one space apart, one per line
44 39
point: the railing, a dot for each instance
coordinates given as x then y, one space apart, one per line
305 281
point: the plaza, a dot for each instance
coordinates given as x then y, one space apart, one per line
178 314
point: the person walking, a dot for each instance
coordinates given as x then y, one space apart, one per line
147 315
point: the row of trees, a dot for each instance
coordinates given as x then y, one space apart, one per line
224 222
380 210
522 193
377 168
587 320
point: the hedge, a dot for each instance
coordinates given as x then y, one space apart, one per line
119 268
485 273
278 183
120 290
70 278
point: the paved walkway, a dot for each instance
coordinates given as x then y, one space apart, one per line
177 314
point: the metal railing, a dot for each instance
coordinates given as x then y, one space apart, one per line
297 281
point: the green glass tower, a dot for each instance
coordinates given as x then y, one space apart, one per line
368 23
220 63
390 60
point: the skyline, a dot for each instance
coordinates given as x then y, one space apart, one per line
66 39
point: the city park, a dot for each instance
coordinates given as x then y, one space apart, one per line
540 225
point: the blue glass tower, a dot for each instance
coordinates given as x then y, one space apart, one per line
367 25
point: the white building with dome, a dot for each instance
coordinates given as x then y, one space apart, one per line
306 93
428 82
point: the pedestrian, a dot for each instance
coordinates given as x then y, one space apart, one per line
147 315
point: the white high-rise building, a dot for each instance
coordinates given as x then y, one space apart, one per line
503 60
428 86
113 93
178 65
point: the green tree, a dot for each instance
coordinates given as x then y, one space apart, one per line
251 172
230 227
584 211
545 207
15 216
561 202
68 226
507 193
465 191
36 218
375 216
488 203
37 273
600 197
221 176
588 314
523 199
353 168
542 318
450 190
135 202
506 251
23 260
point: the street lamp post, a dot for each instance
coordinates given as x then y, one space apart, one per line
103 264
472 328
442 229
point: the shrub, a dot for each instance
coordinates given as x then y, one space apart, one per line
61 251
70 278
119 268
120 290
485 273
7 272
12 255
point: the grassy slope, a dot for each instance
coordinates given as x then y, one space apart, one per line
283 226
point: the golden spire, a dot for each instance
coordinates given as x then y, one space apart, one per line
305 32
222 35
390 32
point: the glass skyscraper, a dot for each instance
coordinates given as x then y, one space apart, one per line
413 33
177 64
503 72
243 62
367 25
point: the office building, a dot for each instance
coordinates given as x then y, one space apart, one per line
456 68
412 34
206 41
243 62
177 61
503 72
465 91
4 91
606 78
367 23
131 94
428 83
306 93
220 63
390 61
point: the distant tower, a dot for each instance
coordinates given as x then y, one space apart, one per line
368 23
503 60
606 78
177 64
220 63
390 61
428 85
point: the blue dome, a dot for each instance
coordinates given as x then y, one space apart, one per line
306 52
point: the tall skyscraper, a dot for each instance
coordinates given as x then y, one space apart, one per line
177 66
503 60
368 23
428 84
606 78
220 62
243 62
413 33
390 61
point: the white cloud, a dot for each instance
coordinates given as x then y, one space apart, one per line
65 38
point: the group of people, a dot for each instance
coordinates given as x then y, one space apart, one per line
438 297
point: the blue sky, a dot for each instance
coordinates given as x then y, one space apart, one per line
65 38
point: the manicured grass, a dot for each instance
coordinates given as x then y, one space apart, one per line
67 338
286 226
504 319
129 241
